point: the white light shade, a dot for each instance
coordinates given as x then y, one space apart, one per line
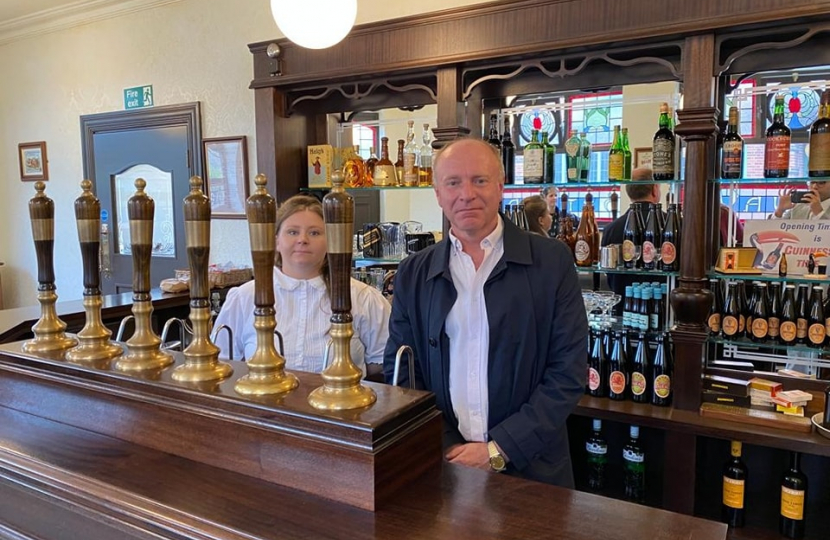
314 24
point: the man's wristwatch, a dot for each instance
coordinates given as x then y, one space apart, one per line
497 462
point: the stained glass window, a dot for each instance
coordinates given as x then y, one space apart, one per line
746 108
596 116
800 107
540 120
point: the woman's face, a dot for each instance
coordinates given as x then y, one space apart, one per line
301 242
550 198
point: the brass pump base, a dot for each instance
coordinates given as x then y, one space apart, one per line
201 356
144 347
341 388
266 368
49 329
94 346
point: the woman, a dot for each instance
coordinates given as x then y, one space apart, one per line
538 217
303 304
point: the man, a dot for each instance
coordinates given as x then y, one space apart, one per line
496 320
815 205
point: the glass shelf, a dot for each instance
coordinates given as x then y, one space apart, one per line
638 272
373 188
578 186
748 343
367 261
771 181
767 278
616 183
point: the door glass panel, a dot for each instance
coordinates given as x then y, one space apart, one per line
160 189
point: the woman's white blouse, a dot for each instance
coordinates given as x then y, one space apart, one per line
303 312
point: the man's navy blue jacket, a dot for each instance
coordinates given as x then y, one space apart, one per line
538 346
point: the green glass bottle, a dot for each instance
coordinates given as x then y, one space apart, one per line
616 158
550 159
663 147
585 155
534 160
573 148
626 155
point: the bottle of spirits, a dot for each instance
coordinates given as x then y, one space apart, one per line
777 145
663 147
370 165
550 159
652 239
410 157
819 164
730 320
626 155
640 372
585 154
399 163
573 149
793 496
616 158
618 377
734 481
634 468
534 160
789 327
494 138
774 315
597 450
598 368
425 160
670 248
816 333
384 169
717 308
661 370
759 330
585 235
802 312
732 153
508 154
354 168
632 239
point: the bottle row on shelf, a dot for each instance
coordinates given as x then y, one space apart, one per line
634 463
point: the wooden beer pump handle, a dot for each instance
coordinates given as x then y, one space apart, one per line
338 211
261 209
141 209
88 219
197 232
42 216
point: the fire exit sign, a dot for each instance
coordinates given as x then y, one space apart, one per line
138 97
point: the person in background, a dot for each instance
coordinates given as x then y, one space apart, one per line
737 227
303 306
550 195
538 217
815 205
497 323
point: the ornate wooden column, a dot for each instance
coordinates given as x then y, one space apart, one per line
451 111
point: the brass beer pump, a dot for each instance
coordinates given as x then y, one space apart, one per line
341 388
201 357
49 330
95 346
266 367
144 347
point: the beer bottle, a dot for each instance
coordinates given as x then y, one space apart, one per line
598 368
634 468
816 332
646 304
658 316
670 249
734 480
802 311
661 371
585 237
749 308
730 319
760 315
717 308
597 450
652 239
789 328
827 319
774 314
632 239
793 497
742 303
640 373
627 302
618 378
732 153
777 144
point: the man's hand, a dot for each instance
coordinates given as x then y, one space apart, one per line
785 201
470 454
813 198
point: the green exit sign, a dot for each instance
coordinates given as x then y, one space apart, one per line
138 97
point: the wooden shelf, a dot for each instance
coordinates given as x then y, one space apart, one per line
690 422
753 533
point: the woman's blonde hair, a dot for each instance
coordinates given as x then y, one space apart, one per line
295 204
535 207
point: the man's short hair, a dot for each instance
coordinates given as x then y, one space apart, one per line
638 192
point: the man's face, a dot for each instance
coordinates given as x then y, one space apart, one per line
469 185
823 189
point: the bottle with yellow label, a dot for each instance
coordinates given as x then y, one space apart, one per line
734 482
793 495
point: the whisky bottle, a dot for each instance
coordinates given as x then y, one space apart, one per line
425 163
370 165
734 482
626 155
585 236
573 150
616 158
384 169
819 164
618 378
793 497
816 333
597 449
399 163
777 144
789 327
634 468
410 157
732 152
534 160
508 154
550 159
663 147
585 154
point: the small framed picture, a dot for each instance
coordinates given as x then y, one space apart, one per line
226 176
33 162
642 158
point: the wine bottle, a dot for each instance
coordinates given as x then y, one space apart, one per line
534 160
616 158
634 468
716 309
661 370
550 159
819 164
640 373
626 155
730 319
508 154
632 239
585 155
663 147
732 153
652 239
777 144
585 235
598 368
734 482
789 327
793 496
816 333
597 450
618 378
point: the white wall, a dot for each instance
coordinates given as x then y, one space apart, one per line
190 50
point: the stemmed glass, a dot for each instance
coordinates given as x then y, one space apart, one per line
606 300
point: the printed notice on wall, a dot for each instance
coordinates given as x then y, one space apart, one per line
795 238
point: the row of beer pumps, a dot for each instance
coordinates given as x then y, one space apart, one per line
341 389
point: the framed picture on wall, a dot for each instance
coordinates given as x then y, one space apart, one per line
33 162
226 176
642 157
